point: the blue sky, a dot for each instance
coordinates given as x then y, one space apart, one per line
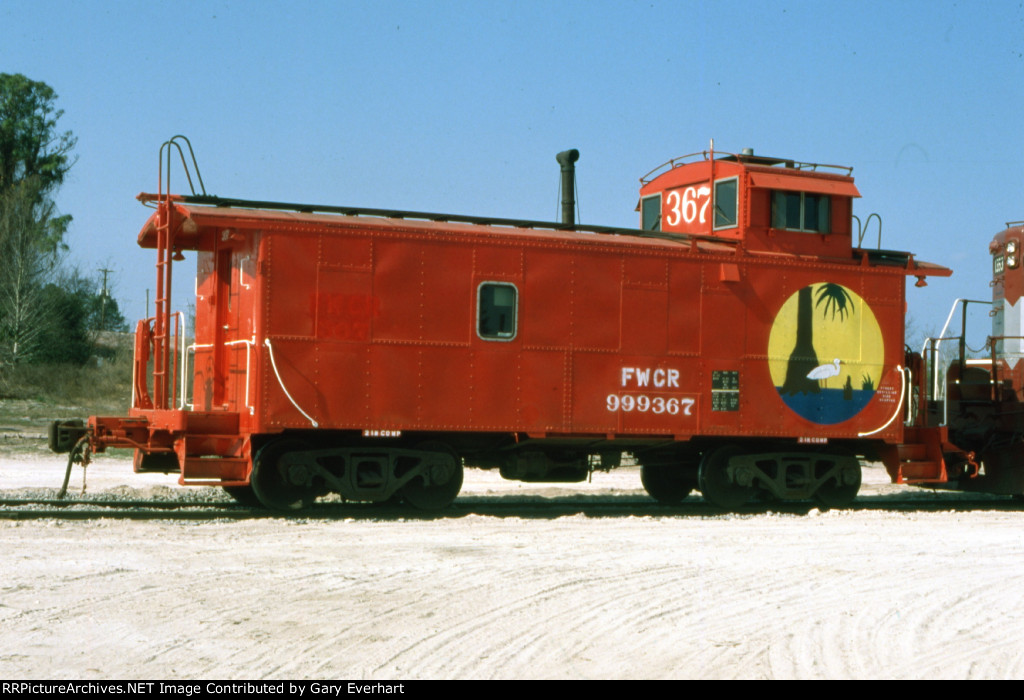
461 106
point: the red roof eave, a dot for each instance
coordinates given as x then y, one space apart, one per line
798 183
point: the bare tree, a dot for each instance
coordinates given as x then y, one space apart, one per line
27 264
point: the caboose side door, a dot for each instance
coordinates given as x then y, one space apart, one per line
223 329
234 326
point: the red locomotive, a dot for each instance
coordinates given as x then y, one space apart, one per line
737 342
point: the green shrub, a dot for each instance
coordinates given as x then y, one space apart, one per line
102 384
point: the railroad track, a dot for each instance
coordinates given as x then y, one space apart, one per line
497 506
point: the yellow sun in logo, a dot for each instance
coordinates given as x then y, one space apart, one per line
826 353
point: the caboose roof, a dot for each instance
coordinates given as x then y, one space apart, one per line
199 216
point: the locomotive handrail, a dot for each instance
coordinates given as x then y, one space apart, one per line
962 362
931 346
992 343
909 381
936 341
993 370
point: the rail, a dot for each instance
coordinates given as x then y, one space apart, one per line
98 505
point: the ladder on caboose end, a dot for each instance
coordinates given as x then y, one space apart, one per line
164 381
207 448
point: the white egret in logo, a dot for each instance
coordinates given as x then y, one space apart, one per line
825 371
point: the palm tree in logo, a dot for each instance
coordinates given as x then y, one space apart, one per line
803 360
836 299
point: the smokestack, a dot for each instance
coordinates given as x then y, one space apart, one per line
567 159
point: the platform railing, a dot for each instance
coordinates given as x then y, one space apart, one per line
748 157
146 347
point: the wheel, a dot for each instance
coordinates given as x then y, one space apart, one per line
281 479
833 495
668 484
441 481
243 495
715 485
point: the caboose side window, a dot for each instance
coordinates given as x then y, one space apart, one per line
496 310
816 213
801 211
725 202
650 213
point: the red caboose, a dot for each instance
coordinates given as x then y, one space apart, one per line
738 341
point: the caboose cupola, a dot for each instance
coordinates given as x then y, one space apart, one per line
764 203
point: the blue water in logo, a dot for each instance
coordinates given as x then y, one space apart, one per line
828 406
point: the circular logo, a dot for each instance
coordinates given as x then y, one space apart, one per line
826 353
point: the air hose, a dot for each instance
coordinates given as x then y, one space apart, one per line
81 452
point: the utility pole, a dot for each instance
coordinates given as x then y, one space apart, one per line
103 299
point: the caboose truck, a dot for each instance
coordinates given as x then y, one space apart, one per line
738 342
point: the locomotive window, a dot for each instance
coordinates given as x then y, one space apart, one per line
725 203
650 213
496 311
801 211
